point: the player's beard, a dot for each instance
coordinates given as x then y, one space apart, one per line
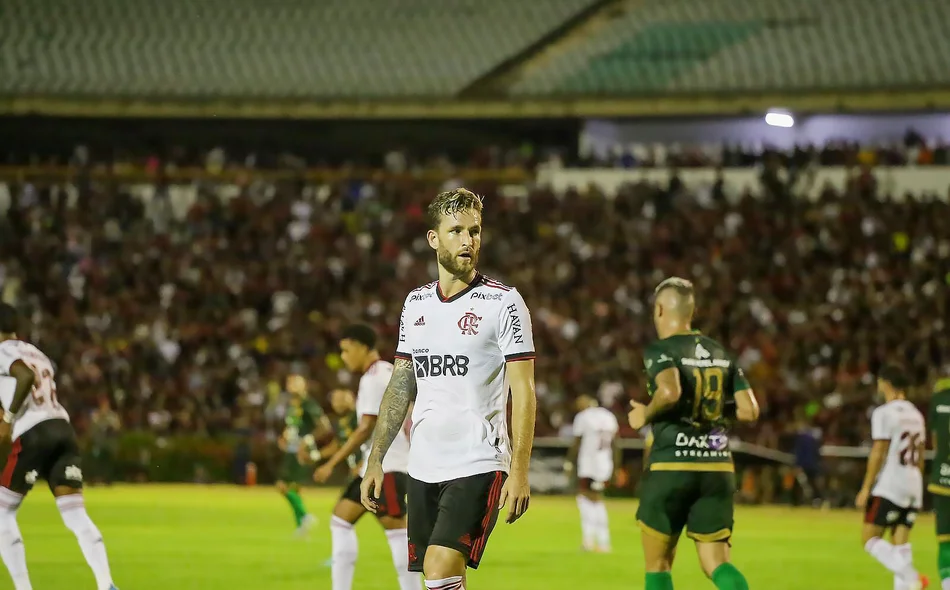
456 266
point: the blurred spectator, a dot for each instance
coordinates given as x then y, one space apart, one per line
189 304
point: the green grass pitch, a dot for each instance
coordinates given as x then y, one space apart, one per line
217 538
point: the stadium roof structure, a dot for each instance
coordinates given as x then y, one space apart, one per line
365 59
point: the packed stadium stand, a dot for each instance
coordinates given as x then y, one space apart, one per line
325 48
192 306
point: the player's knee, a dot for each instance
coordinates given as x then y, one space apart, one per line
281 487
868 533
345 543
442 562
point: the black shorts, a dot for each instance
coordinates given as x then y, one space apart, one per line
884 513
47 451
587 484
459 514
393 501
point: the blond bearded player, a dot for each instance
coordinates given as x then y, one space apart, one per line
464 340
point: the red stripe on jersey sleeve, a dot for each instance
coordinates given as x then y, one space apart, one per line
521 356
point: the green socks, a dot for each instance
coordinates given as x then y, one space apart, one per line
727 577
659 581
943 559
297 504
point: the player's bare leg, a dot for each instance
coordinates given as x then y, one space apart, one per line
11 541
72 508
895 560
444 568
714 559
659 551
595 523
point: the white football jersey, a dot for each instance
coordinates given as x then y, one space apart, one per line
459 348
596 428
368 399
900 479
41 404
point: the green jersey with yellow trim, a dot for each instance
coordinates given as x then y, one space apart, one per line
693 435
938 419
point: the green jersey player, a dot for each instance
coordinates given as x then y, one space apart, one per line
343 404
304 421
696 389
939 419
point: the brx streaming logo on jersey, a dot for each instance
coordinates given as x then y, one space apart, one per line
468 324
441 365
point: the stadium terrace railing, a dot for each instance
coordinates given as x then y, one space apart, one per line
890 180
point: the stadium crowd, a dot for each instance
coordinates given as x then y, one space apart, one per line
189 313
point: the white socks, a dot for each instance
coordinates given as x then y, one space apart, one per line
399 547
896 559
453 583
11 541
595 525
345 551
73 510
601 525
587 529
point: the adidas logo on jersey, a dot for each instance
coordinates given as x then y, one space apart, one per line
701 352
421 321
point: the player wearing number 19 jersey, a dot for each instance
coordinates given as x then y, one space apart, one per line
697 390
893 484
44 447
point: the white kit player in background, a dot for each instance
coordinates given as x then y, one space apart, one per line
595 454
893 488
44 447
465 342
358 349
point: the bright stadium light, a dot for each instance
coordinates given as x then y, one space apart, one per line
777 119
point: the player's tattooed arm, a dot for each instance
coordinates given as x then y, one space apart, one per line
400 393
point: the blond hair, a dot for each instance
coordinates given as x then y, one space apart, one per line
451 203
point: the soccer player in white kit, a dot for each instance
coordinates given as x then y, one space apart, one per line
358 349
44 447
893 487
595 454
464 341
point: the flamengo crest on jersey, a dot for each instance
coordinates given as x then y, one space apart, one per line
900 479
41 404
368 399
459 347
596 428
